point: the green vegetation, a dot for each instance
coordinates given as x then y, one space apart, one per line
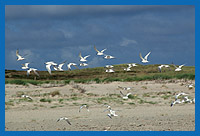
166 96
144 101
9 103
146 95
98 75
45 100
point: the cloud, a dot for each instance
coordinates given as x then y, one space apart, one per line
58 33
126 42
69 11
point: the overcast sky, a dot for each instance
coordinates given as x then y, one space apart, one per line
59 33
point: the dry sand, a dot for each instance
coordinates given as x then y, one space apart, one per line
149 110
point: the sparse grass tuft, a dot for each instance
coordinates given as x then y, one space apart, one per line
131 103
144 87
54 93
132 96
146 95
10 103
61 100
166 96
45 100
19 93
78 87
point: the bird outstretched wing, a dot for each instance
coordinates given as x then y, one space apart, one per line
147 56
95 49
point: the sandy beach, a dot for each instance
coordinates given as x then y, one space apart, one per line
147 110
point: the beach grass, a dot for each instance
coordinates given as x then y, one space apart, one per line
98 75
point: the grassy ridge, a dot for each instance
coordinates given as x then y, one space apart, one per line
98 75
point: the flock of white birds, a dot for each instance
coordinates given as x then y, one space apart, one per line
109 69
83 60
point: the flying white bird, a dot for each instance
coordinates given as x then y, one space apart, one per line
166 66
19 57
134 65
26 96
161 66
72 64
64 118
83 59
112 113
83 64
178 68
130 66
125 96
86 106
180 94
186 99
48 66
25 66
144 60
109 66
108 57
110 71
34 70
108 107
127 69
99 52
125 88
193 100
59 68
178 101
